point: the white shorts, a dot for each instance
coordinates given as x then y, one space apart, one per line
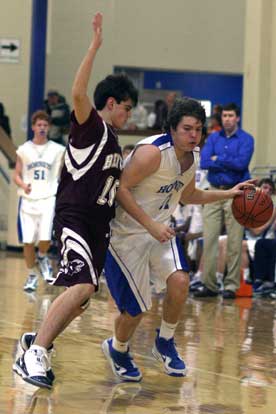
134 263
35 219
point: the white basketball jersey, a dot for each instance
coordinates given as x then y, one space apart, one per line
160 193
41 166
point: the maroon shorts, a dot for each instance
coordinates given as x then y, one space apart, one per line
82 247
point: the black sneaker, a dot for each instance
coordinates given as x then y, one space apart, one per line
204 292
228 294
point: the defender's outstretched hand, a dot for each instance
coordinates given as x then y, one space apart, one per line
97 28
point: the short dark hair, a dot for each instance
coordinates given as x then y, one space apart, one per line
118 86
40 114
267 181
185 107
232 107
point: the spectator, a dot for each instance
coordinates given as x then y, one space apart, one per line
226 156
157 119
214 123
59 112
170 99
266 231
4 120
138 119
217 109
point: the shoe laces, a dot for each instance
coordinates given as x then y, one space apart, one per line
170 347
41 359
124 359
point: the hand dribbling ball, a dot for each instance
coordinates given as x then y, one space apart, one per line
252 208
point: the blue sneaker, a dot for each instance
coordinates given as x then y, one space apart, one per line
32 367
121 363
165 352
26 340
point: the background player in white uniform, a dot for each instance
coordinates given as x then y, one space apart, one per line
36 174
157 175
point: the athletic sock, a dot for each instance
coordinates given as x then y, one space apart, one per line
219 276
118 345
167 330
41 255
246 273
32 270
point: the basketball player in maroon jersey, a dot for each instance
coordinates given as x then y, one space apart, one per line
84 207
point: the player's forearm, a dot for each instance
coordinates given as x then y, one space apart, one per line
205 197
128 203
80 84
18 180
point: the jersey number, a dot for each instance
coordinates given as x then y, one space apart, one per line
39 175
109 192
165 205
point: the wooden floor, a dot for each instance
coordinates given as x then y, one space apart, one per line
229 348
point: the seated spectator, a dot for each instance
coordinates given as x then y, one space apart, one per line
138 118
127 150
252 235
264 266
4 120
158 117
59 111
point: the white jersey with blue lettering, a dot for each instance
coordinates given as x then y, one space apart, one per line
160 193
41 165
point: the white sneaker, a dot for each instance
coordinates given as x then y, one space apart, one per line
33 366
31 283
45 268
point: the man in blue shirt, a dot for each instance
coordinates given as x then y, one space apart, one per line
226 155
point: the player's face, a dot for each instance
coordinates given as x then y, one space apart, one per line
187 134
229 121
40 128
120 113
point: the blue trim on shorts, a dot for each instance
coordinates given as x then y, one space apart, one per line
119 287
182 257
19 224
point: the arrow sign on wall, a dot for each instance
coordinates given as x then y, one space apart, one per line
9 50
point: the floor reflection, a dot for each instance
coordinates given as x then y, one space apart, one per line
229 348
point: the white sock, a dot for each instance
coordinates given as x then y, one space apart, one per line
32 270
119 346
219 276
246 273
41 255
198 274
167 330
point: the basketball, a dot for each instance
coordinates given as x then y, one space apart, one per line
252 208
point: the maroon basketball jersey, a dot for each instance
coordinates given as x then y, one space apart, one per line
91 171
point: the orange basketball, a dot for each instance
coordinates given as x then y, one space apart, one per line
252 208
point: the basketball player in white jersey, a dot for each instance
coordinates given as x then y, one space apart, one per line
36 174
158 174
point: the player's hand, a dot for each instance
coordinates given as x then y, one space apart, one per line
97 24
161 232
27 188
238 189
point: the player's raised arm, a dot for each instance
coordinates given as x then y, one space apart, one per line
81 102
